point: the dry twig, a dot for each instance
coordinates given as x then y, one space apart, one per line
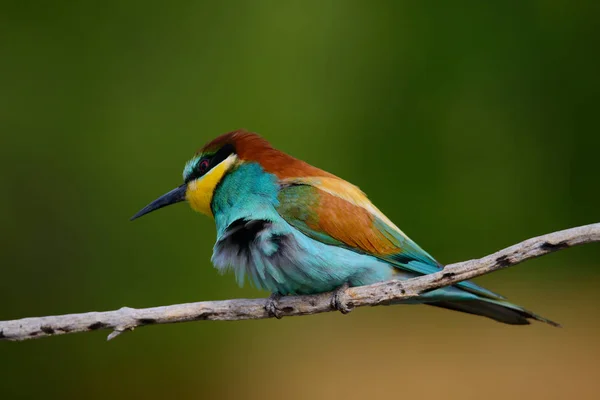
232 310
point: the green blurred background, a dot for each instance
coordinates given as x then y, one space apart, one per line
472 126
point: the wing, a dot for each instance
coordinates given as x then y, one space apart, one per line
335 212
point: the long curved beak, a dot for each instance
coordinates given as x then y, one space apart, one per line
174 196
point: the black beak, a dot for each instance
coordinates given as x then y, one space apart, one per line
174 196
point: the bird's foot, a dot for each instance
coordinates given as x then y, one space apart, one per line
339 300
272 306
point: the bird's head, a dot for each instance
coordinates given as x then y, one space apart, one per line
203 172
211 164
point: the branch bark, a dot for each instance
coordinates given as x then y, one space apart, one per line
383 293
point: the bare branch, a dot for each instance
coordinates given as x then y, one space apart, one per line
127 318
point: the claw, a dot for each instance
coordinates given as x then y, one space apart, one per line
339 300
272 306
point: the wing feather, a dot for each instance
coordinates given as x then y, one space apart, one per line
338 213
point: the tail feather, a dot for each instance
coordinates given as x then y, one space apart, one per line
500 311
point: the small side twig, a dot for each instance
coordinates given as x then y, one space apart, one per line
127 318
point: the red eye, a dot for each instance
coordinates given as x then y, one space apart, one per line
203 166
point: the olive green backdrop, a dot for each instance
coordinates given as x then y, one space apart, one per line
472 126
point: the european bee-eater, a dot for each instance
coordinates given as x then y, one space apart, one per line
292 228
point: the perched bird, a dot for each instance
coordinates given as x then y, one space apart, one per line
291 228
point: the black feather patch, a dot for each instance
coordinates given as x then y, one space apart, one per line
242 232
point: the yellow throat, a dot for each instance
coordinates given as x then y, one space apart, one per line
199 192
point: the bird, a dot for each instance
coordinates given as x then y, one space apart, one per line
291 228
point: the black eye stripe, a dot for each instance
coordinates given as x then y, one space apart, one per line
208 162
221 155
